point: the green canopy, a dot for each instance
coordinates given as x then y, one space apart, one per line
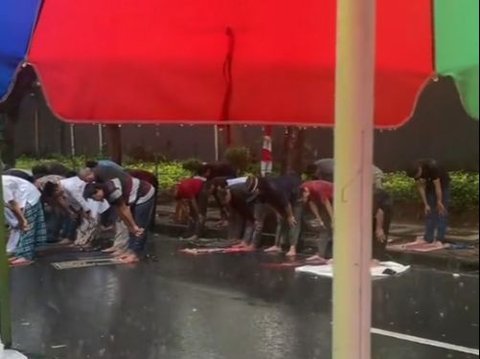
456 47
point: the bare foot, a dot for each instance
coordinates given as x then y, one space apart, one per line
129 258
21 262
110 249
192 238
438 244
120 253
240 245
220 224
250 248
65 241
273 249
292 252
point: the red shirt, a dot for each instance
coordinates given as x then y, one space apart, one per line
189 188
320 190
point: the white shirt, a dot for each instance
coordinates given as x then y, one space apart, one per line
74 188
238 180
19 190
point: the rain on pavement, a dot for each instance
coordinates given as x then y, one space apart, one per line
229 306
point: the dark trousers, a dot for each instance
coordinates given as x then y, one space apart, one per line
142 214
197 224
290 235
434 221
240 225
325 235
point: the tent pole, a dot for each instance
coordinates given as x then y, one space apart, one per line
5 319
100 140
215 142
72 140
353 148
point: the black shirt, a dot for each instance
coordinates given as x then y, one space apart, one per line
117 191
280 191
221 170
432 170
240 200
20 174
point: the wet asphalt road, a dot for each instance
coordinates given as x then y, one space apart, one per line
226 306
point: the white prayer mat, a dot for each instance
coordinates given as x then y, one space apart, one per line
10 354
384 269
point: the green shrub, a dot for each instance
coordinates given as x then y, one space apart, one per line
170 173
238 157
192 165
464 193
464 190
464 186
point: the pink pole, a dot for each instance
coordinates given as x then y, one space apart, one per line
354 103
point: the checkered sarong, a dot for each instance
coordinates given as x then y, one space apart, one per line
37 233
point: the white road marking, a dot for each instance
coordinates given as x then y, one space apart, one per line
424 341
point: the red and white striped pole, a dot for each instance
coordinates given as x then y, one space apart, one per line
266 163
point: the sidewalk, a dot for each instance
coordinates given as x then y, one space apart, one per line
449 259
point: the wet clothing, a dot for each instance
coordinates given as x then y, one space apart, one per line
381 201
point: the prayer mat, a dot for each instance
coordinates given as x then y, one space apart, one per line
202 251
384 269
85 262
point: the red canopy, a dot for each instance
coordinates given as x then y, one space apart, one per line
248 61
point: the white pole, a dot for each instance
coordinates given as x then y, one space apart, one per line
72 140
354 100
215 140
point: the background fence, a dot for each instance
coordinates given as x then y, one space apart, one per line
439 128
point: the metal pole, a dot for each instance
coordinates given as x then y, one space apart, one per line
5 318
72 140
100 140
36 128
215 141
354 99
